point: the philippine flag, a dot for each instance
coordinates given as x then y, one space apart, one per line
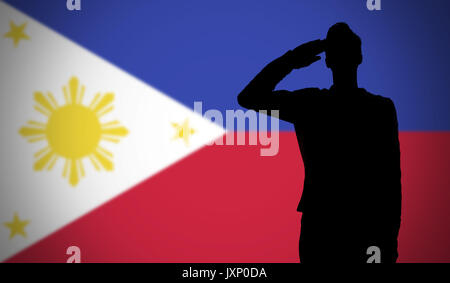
103 147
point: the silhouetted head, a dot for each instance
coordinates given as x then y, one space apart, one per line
343 48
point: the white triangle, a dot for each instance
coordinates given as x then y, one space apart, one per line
45 63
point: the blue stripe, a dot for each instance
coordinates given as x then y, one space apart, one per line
203 50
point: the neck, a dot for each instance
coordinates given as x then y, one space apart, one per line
345 79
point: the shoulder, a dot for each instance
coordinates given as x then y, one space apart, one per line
381 101
384 105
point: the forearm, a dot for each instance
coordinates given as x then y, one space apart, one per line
273 73
266 81
260 91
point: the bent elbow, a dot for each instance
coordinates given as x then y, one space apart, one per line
243 100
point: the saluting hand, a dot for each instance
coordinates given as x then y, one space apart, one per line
306 54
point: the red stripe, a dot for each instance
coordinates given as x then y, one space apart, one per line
228 204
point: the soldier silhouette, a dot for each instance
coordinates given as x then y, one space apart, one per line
348 140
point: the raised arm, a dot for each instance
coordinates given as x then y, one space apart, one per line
259 94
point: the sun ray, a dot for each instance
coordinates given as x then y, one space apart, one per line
43 161
74 176
114 131
104 161
42 111
111 132
43 102
105 101
94 101
42 151
104 151
109 124
110 139
52 100
37 124
32 133
66 95
52 162
80 97
37 139
105 111
96 166
74 86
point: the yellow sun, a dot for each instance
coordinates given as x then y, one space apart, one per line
73 131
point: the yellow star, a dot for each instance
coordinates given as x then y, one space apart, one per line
16 33
17 226
183 131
